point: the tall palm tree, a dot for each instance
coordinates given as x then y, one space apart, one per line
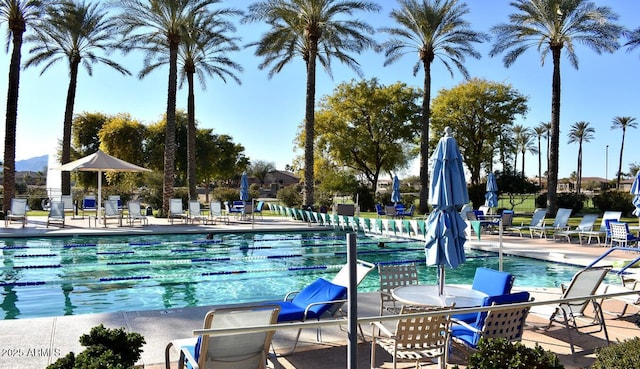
547 136
633 39
622 123
431 29
540 132
158 27
553 26
17 14
203 53
74 32
317 31
523 138
580 132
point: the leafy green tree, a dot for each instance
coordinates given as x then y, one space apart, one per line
260 169
383 118
158 27
623 123
75 32
85 141
482 113
17 14
431 29
316 31
553 26
580 132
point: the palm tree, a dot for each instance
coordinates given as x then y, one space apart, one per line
580 132
73 31
431 28
523 138
203 53
317 31
622 123
633 38
158 27
17 14
540 132
553 26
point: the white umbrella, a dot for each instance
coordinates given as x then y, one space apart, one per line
101 162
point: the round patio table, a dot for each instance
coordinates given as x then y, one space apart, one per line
427 295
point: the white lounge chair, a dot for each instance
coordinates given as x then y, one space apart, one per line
537 220
56 213
195 214
18 212
176 211
559 224
608 216
216 213
586 224
111 211
134 213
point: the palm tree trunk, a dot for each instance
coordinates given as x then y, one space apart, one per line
170 129
191 139
620 161
539 162
579 179
9 163
523 155
309 125
68 121
552 197
424 140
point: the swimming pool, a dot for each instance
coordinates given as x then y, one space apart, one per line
80 275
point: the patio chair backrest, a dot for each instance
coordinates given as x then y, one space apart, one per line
583 283
67 200
562 218
111 208
362 270
135 208
89 202
537 220
175 206
215 208
194 207
18 207
423 333
237 351
507 218
587 222
392 276
56 209
117 199
492 282
610 216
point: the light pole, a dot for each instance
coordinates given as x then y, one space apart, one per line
606 164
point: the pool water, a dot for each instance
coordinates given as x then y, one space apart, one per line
68 276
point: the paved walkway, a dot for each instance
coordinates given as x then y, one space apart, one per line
34 343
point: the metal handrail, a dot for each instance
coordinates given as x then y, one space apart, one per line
370 319
612 249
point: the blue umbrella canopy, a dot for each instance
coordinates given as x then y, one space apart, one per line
491 196
445 236
244 188
635 191
395 194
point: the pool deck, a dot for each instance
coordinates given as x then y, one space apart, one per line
35 343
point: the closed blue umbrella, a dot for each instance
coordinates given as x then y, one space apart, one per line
635 191
244 188
445 236
395 194
491 196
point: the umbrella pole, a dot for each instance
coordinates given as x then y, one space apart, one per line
441 280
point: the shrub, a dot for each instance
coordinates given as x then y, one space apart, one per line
500 353
105 348
572 200
623 355
614 200
290 195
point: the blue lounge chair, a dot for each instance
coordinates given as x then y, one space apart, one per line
380 210
492 282
89 204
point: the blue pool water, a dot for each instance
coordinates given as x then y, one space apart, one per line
68 276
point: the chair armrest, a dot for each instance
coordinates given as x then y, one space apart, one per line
383 329
465 325
192 360
290 295
332 302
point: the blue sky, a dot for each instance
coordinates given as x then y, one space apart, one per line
264 114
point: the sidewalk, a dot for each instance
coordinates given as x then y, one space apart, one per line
34 343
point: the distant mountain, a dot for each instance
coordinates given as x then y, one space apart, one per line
36 164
